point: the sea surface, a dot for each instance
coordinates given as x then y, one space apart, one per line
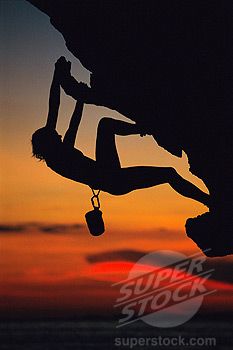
79 335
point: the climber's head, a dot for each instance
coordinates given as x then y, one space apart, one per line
44 142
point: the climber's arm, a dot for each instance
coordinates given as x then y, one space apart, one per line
74 89
70 135
54 101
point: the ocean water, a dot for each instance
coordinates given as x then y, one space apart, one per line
60 335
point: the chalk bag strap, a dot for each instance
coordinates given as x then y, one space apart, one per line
95 201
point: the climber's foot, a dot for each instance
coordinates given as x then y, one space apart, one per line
207 201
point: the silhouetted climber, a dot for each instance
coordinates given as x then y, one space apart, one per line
105 173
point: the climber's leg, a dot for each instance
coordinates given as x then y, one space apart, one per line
106 151
133 178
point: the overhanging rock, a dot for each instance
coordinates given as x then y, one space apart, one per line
167 65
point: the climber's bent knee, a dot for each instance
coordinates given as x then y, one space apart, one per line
106 123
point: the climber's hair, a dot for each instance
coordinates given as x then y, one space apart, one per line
42 142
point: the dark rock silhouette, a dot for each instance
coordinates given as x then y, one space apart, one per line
167 65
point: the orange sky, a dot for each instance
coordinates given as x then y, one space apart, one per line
30 189
67 270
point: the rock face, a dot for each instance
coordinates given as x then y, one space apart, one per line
167 65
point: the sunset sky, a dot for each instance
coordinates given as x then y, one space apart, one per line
47 254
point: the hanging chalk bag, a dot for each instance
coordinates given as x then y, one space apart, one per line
94 217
